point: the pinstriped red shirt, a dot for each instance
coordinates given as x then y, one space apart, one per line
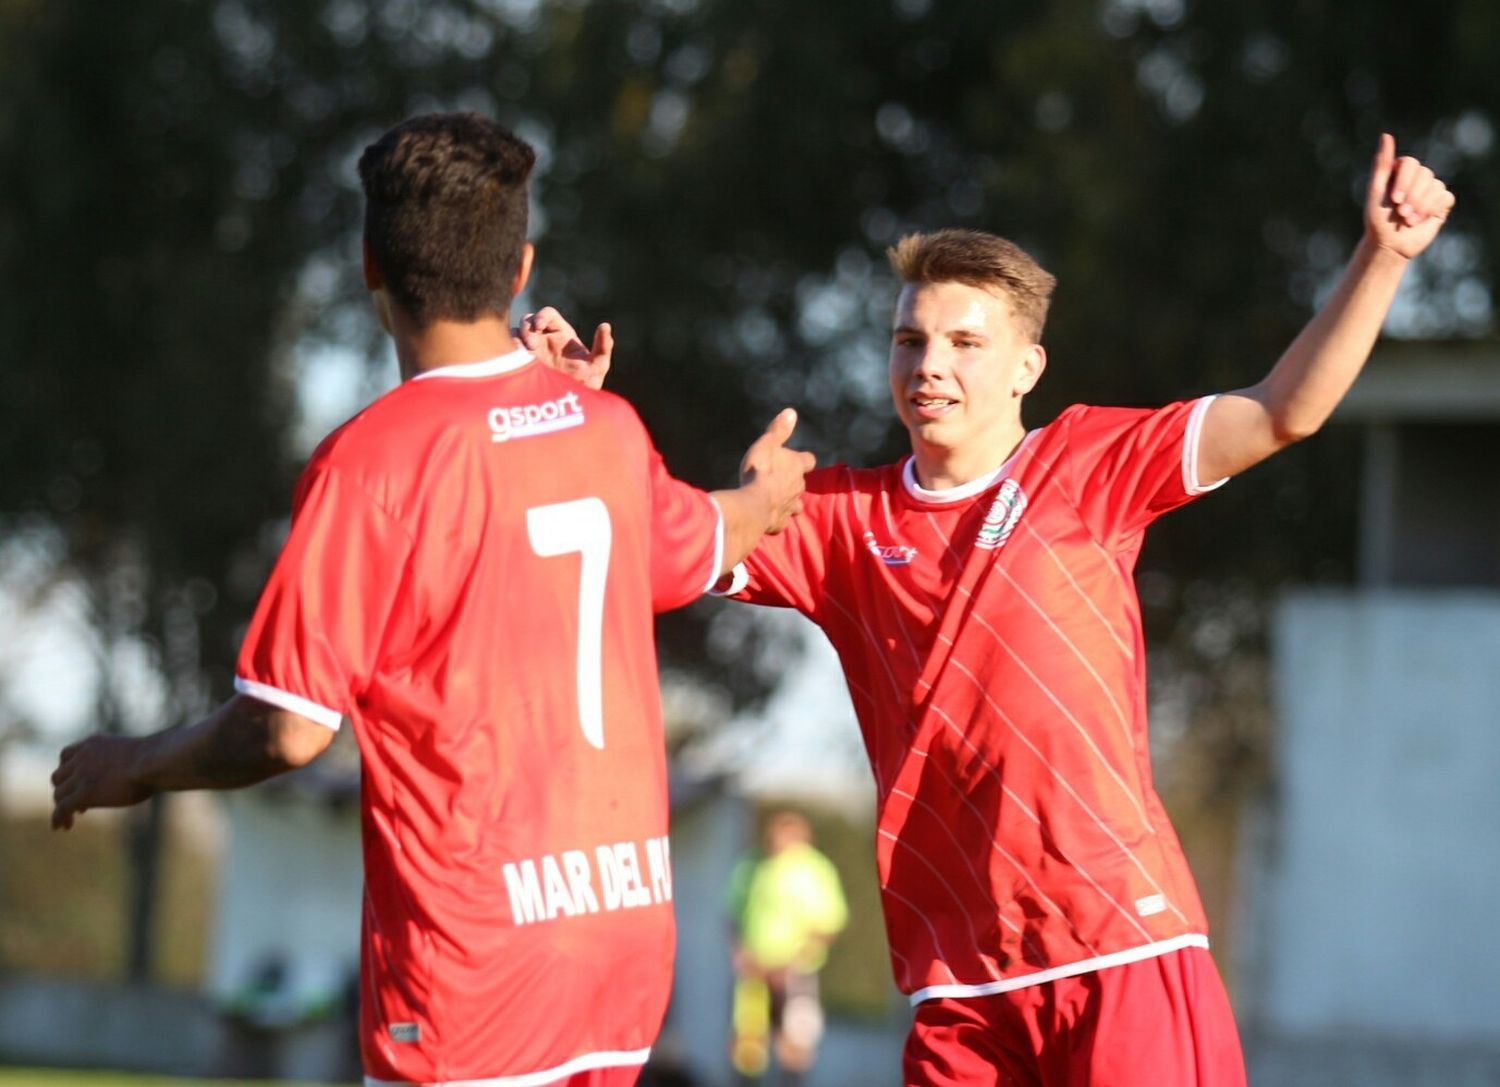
991 640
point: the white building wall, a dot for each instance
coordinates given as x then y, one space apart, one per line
1374 884
706 841
292 888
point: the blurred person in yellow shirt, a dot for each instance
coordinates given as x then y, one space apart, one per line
787 905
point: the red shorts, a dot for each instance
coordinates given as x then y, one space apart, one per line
1161 1022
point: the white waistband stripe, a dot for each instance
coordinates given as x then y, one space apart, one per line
586 1063
1118 958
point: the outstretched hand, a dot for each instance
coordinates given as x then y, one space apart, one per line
550 338
1406 204
95 773
770 467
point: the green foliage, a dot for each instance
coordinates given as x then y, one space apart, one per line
61 901
41 1077
170 170
719 179
724 176
45 924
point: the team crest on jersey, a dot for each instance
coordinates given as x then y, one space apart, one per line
890 554
529 420
1004 513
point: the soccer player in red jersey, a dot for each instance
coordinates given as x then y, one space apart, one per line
980 596
470 578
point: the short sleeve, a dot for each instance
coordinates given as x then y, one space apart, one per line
315 637
1127 466
789 569
687 539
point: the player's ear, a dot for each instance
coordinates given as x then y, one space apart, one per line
1033 363
373 281
376 286
523 270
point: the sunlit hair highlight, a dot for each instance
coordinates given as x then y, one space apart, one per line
977 259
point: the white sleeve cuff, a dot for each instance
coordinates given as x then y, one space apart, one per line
1190 482
739 577
713 574
284 700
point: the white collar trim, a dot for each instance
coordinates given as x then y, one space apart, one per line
964 490
504 364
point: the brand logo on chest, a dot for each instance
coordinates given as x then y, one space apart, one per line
890 554
1003 516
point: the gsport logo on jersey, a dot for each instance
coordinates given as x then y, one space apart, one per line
529 420
890 554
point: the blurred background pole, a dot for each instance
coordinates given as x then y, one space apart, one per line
144 837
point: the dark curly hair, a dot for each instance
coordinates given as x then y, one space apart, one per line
445 214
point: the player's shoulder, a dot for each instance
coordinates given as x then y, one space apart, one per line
1080 415
608 406
607 421
1082 420
1078 421
366 437
1106 413
530 399
340 445
541 386
844 479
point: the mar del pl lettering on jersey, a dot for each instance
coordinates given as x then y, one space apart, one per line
518 896
991 640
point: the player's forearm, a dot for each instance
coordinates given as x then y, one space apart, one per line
1312 376
748 515
243 742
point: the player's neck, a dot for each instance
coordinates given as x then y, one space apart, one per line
452 343
940 469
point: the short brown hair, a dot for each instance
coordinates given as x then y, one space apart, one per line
981 260
445 214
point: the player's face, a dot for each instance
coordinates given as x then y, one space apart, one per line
959 368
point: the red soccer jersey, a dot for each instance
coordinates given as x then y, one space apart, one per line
471 574
991 640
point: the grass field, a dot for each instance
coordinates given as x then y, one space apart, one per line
36 1077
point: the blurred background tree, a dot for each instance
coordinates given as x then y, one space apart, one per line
179 242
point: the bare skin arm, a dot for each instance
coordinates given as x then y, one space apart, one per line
770 474
243 742
770 493
1405 207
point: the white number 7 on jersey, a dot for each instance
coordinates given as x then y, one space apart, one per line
581 526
